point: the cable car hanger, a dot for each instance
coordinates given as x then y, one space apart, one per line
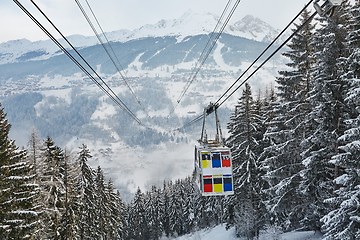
328 8
218 141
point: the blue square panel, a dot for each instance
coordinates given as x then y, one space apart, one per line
228 185
216 162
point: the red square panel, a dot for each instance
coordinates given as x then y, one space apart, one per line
207 187
207 184
225 161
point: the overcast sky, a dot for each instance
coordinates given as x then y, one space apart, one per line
131 14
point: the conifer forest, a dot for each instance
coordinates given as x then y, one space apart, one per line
295 149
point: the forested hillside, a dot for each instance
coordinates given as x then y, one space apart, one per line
296 149
295 155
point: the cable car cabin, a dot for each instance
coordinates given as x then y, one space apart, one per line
213 169
212 165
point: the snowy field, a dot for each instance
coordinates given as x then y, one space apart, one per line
220 233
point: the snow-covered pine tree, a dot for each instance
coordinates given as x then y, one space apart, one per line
189 204
201 212
34 147
126 234
211 209
69 228
18 192
86 191
108 208
327 115
116 224
51 181
138 224
120 213
245 135
153 205
102 202
344 221
184 189
286 129
165 210
176 209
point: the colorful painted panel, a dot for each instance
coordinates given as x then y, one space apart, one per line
205 160
215 159
228 185
218 186
225 161
208 187
206 164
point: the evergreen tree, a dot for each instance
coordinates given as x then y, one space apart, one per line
202 213
153 210
126 222
86 190
176 207
286 129
116 224
189 204
69 221
34 150
51 180
165 210
18 192
101 204
327 116
343 221
246 133
138 224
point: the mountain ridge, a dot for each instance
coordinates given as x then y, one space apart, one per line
189 24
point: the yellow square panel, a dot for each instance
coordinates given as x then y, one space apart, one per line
206 163
218 187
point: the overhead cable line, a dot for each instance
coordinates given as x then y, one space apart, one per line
115 98
206 52
116 64
264 51
198 118
270 56
92 69
218 103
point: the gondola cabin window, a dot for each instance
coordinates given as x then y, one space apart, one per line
213 170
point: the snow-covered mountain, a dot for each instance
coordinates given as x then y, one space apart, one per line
189 24
253 28
41 88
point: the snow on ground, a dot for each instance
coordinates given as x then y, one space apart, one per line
220 61
301 236
216 233
220 233
103 111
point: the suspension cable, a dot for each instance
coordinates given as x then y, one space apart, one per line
116 99
206 52
266 49
92 69
116 64
262 64
268 58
